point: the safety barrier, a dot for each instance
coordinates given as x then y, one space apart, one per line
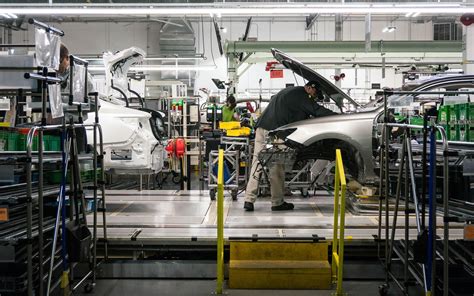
339 222
220 222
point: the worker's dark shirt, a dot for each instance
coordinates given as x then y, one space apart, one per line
290 105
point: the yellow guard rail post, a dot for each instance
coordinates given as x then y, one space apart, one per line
220 222
339 206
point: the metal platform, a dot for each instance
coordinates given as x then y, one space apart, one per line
151 216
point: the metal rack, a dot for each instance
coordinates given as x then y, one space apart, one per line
406 174
36 224
180 125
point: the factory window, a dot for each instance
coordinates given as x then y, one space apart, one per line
447 31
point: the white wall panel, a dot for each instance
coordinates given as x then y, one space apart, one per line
95 38
353 30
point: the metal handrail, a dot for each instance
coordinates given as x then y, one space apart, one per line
220 222
339 223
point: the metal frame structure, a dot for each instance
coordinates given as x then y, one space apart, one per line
40 129
428 282
45 80
381 51
240 144
232 182
301 179
179 126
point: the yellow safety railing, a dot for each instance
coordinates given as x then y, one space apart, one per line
220 222
339 222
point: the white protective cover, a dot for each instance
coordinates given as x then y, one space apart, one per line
125 129
117 66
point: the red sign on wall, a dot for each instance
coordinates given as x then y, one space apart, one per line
276 73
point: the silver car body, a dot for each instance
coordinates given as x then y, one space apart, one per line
356 134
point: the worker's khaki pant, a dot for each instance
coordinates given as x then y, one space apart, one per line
276 174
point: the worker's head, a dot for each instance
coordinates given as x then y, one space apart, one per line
231 102
63 59
311 88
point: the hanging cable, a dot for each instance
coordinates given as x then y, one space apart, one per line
210 37
202 37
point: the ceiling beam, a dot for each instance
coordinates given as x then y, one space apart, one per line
233 47
234 9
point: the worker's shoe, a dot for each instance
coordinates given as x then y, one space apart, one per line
248 206
285 206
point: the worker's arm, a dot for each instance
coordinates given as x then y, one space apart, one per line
322 111
315 110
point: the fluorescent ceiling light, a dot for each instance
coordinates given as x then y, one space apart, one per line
228 9
408 14
158 59
416 14
389 29
9 15
160 68
173 59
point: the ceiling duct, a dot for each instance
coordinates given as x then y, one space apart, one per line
177 41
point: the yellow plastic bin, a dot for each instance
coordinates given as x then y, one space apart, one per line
229 125
241 132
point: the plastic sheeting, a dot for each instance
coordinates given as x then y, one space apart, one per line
55 102
78 83
47 46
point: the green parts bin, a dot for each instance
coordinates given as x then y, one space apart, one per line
13 139
458 121
465 113
444 114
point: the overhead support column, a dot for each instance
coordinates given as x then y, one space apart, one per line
368 24
338 37
468 49
232 63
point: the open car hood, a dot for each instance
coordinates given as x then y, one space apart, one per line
327 87
117 66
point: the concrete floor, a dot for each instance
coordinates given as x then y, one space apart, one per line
207 287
